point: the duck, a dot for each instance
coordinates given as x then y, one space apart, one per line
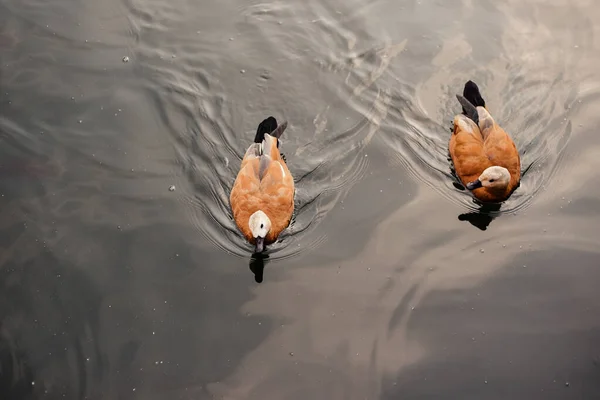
262 196
485 157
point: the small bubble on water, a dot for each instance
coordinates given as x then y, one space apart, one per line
172 188
567 384
482 250
243 71
291 354
125 59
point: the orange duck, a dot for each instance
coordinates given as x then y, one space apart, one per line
262 198
485 158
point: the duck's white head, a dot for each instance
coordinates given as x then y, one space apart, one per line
493 177
260 225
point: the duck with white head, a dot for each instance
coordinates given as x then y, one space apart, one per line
262 197
485 158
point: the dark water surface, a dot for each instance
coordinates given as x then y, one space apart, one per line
388 284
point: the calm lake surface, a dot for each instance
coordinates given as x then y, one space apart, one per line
389 284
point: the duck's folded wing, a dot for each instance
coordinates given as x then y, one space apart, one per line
277 190
269 147
247 179
501 149
273 172
467 151
263 166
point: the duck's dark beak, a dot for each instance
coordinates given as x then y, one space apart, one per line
260 245
474 185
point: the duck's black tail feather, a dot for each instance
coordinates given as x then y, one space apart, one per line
266 126
471 93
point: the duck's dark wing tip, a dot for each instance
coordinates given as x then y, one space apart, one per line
279 130
468 108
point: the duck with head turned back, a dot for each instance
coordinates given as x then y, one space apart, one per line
485 158
262 197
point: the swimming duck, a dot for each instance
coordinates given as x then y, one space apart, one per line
485 158
262 197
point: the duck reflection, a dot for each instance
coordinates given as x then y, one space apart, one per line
483 217
257 265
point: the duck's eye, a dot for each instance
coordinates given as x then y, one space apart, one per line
491 180
261 226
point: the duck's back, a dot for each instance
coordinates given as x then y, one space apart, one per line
263 183
467 150
501 150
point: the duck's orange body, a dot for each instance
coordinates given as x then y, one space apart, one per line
264 183
478 143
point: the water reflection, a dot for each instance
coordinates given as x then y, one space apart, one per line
483 217
149 290
257 265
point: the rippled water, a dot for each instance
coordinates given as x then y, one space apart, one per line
390 282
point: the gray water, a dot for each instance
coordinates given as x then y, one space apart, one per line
389 284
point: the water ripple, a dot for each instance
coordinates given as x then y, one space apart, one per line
326 155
